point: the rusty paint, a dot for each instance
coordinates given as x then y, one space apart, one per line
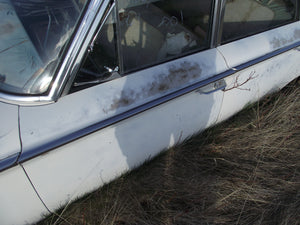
177 77
280 42
7 28
297 34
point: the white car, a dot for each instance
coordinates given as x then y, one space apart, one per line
90 89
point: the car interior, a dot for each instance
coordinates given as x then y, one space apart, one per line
145 34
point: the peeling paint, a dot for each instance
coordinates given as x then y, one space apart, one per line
280 42
177 77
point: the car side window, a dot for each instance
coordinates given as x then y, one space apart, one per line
139 34
155 31
246 17
101 62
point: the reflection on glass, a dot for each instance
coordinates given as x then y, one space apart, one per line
32 35
246 17
142 33
155 31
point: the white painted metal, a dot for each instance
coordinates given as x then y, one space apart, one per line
19 204
249 85
72 170
252 83
9 131
246 49
42 124
67 173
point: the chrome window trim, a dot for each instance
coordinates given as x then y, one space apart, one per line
66 65
23 100
216 23
25 156
213 14
298 10
80 43
222 6
94 28
71 63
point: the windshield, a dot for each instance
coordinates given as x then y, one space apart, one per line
32 36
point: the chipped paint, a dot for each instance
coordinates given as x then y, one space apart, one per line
178 75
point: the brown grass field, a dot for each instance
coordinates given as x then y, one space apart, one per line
243 171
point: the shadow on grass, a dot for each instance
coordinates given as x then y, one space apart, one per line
243 171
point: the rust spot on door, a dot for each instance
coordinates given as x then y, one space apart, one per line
178 76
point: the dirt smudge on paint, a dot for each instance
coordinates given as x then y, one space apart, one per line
281 42
178 76
6 29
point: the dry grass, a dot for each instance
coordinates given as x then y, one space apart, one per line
244 171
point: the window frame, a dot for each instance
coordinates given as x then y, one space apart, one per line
64 66
212 32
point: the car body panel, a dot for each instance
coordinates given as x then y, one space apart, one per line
87 107
260 71
19 203
60 146
115 147
79 167
261 44
9 131
254 82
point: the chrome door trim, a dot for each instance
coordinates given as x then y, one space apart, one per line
115 119
297 10
213 87
25 156
9 161
86 43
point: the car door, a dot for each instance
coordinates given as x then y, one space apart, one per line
260 42
146 80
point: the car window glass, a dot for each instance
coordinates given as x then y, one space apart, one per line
139 34
246 17
154 31
33 34
102 62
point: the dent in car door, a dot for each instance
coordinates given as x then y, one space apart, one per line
99 132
